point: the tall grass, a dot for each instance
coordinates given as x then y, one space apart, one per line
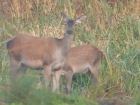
112 26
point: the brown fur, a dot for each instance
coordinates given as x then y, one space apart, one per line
48 54
82 59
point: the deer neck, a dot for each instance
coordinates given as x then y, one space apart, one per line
66 42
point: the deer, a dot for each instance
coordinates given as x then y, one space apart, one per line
49 54
80 60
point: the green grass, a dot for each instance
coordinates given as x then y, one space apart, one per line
27 92
114 29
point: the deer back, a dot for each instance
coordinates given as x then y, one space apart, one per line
83 57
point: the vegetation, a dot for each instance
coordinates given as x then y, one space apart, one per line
112 25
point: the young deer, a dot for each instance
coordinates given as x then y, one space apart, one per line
48 54
81 59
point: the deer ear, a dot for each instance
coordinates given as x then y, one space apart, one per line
80 19
64 16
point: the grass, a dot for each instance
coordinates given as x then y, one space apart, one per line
114 28
26 92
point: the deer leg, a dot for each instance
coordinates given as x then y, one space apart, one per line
15 66
47 75
94 74
56 79
68 76
22 70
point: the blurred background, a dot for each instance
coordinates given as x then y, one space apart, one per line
111 25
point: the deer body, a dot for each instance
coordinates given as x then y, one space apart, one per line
31 51
80 60
48 54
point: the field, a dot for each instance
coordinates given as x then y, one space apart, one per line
112 25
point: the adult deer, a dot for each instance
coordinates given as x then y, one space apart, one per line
48 54
81 59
